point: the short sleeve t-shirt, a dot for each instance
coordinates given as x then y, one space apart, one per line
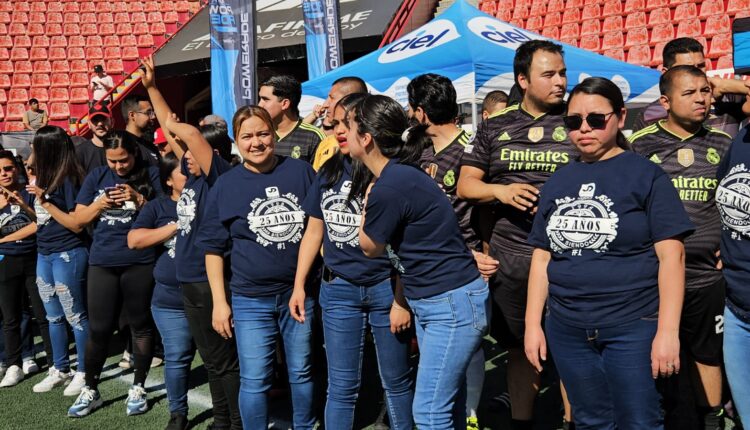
444 168
691 163
300 143
110 236
408 212
190 261
12 219
733 201
51 236
155 214
725 115
326 149
342 218
35 118
600 222
265 223
515 147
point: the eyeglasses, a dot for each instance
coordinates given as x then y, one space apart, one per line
596 121
148 113
9 168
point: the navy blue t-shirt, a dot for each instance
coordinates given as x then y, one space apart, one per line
110 244
158 213
733 201
409 212
12 219
341 251
190 260
261 214
51 236
600 222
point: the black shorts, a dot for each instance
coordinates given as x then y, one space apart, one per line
509 292
702 323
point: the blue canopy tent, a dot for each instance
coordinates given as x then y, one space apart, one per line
475 51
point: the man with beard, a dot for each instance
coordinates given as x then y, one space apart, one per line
140 121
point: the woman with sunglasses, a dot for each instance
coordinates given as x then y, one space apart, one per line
408 218
356 291
62 254
17 267
264 222
110 199
609 264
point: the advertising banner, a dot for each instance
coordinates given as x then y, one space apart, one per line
322 36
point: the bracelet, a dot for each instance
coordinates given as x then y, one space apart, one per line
397 306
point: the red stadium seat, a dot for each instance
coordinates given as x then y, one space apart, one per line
662 33
43 66
6 42
78 41
655 4
656 57
520 12
40 94
76 53
40 80
742 14
145 41
71 29
13 126
55 17
71 7
124 28
17 29
37 17
130 53
169 6
88 18
612 23
537 9
111 40
59 95
95 40
88 6
18 95
94 53
591 11
35 29
735 6
73 17
551 32
40 41
59 111
135 7
79 80
552 19
634 6
5 17
182 7
57 6
502 14
721 44
640 55
22 17
89 30
6 6
23 67
4 54
534 23
716 24
685 11
659 16
570 30
136 17
60 80
4 81
590 42
60 66
38 7
21 6
22 42
105 18
571 15
79 66
616 53
79 95
158 28
15 112
637 36
121 16
613 39
3 28
106 29
54 29
689 28
151 6
725 62
711 7
173 17
591 26
488 7
115 67
574 3
635 19
128 40
21 80
3 97
17 54
140 28
6 67
58 42
572 41
57 54
112 53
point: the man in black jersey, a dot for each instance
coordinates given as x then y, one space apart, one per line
690 152
728 94
512 155
280 95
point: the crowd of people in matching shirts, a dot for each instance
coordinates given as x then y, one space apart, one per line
624 259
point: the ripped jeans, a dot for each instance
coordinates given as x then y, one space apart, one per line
60 279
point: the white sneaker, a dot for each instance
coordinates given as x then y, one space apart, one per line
78 382
55 378
29 367
13 376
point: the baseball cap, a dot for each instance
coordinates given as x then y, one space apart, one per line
99 111
159 138
98 68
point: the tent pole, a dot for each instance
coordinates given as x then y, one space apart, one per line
474 113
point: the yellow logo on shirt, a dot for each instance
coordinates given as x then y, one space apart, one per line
450 178
559 134
712 156
296 152
685 157
536 134
504 136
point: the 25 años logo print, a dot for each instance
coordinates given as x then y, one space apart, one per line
733 201
277 219
583 222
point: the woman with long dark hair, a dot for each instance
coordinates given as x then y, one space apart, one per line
156 227
609 267
110 199
408 217
62 254
258 206
356 291
17 267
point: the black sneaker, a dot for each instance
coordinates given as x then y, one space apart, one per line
177 422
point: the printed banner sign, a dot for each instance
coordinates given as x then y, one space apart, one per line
322 36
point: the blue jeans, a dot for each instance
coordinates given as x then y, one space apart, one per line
736 352
60 279
178 355
607 373
450 327
258 321
347 309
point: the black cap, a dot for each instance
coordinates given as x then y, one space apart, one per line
99 110
98 68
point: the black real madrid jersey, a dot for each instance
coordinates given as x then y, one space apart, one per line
692 164
512 147
300 143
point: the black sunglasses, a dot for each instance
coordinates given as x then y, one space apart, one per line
8 168
596 121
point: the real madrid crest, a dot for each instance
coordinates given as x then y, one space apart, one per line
296 152
536 134
685 157
712 156
559 134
